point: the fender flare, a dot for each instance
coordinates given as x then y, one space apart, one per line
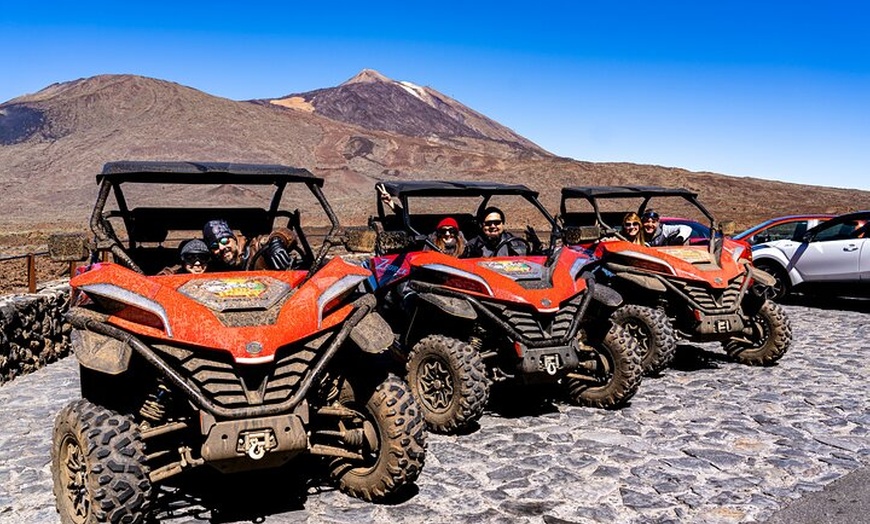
453 306
776 257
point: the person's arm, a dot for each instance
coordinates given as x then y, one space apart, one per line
272 251
677 234
519 249
388 201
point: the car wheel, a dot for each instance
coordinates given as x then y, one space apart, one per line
392 442
616 373
781 286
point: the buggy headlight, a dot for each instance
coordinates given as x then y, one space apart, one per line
336 293
458 278
129 305
645 262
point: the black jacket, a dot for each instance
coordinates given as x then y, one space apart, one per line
481 247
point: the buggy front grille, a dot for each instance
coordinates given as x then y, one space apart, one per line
231 385
534 326
713 301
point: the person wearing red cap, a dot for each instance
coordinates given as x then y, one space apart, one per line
448 238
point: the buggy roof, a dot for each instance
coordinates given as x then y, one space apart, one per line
162 172
624 192
456 188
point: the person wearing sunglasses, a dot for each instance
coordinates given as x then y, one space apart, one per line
194 256
658 234
234 252
448 238
494 240
631 229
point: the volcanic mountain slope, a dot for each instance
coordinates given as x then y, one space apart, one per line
53 142
375 102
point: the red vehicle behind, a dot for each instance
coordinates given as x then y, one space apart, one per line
701 292
464 323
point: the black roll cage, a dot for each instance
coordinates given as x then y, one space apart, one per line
486 190
115 174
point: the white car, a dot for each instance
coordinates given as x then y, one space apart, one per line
831 258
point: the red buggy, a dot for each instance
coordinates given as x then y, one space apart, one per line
235 370
705 291
464 323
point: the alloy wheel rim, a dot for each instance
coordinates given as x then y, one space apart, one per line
75 470
435 384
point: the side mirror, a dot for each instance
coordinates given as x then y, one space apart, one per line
360 239
581 234
389 242
68 247
728 227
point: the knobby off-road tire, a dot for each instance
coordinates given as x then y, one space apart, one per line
618 376
397 449
98 465
448 379
653 332
770 339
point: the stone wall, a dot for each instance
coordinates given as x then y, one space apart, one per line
33 331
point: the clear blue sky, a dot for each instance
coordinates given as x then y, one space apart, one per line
777 90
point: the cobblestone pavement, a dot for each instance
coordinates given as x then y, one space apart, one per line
710 441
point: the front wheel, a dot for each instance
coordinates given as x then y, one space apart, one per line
393 444
98 466
448 378
769 340
653 332
615 372
781 286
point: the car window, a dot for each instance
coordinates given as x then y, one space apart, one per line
785 231
837 231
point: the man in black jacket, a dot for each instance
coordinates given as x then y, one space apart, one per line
492 222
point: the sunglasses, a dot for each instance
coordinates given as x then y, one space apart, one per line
222 242
447 231
196 259
492 223
632 224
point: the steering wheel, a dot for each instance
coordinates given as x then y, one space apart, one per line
511 239
295 261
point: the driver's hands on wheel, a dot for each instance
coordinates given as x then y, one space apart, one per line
278 255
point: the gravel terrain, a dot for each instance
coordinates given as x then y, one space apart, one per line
709 441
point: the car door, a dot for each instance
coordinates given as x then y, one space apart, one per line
831 252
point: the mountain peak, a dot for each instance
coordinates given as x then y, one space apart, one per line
367 76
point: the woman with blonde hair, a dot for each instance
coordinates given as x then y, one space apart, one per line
631 229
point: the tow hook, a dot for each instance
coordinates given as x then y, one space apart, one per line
551 364
255 444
